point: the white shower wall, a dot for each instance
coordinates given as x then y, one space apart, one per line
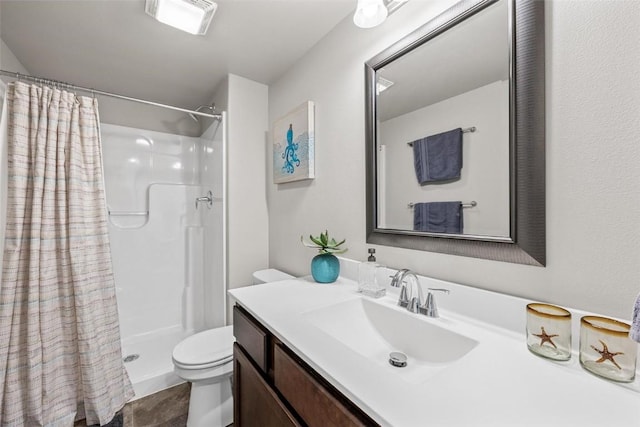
213 176
159 240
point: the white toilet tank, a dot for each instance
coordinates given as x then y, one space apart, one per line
269 275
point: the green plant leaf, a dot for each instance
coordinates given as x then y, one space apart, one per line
324 244
324 238
316 240
334 250
309 245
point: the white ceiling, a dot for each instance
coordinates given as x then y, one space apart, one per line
112 45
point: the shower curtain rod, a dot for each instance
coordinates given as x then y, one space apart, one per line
101 92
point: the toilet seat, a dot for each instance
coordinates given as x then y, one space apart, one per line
207 349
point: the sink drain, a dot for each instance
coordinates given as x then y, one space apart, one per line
397 359
131 358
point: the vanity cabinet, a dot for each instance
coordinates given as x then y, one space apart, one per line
274 387
255 402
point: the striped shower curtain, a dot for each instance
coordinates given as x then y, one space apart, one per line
60 355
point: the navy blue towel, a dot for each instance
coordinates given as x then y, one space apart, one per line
438 217
438 157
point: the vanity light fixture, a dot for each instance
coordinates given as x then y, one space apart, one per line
192 16
371 13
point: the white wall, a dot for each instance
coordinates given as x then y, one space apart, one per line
9 62
248 226
485 160
593 158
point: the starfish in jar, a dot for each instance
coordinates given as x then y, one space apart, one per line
605 354
544 337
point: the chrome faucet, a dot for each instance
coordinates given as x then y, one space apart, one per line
397 282
408 298
413 301
430 309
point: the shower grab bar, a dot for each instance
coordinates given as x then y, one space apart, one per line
128 213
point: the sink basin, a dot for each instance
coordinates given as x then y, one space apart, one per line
374 330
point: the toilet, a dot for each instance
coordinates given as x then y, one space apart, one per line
205 360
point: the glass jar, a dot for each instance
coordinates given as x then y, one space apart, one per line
606 349
549 331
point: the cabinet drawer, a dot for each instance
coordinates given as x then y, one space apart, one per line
252 336
255 403
312 400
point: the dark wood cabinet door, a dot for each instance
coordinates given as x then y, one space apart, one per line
252 337
255 403
314 402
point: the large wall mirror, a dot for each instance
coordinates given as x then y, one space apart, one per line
455 134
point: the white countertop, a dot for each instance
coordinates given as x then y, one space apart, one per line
498 383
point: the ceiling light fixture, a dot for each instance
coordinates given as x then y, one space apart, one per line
371 13
192 16
382 84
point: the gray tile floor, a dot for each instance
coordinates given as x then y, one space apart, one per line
167 408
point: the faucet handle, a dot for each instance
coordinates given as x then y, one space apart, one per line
396 279
414 305
403 300
430 309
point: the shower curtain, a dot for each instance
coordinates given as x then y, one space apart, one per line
60 355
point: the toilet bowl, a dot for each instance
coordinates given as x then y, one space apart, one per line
206 360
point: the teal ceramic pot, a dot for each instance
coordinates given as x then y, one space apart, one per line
325 268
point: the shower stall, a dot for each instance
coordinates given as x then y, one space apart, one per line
166 200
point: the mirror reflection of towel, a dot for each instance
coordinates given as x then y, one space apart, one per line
438 157
438 217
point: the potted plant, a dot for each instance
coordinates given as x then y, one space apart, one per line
325 267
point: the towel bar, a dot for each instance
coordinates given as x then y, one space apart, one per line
471 204
465 130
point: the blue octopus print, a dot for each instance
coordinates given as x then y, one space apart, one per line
290 156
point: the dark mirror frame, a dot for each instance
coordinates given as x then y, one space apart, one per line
526 245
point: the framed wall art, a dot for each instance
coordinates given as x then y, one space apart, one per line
293 145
